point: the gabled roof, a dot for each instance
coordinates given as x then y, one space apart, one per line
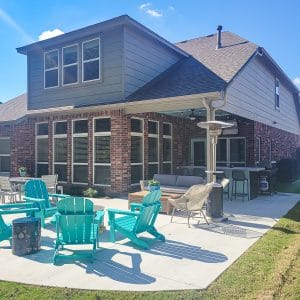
13 109
96 29
186 77
225 62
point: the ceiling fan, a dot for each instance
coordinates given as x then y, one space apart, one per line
195 117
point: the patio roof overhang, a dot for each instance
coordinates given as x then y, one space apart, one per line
143 106
172 103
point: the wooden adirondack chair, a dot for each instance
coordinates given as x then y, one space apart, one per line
76 224
136 221
8 209
36 192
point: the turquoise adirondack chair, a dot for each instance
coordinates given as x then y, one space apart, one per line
9 209
36 192
77 224
141 218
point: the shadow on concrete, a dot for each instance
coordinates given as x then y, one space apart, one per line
104 265
248 224
179 250
231 230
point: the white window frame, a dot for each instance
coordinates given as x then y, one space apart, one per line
38 137
68 65
258 140
89 60
193 150
75 135
270 150
228 161
140 134
56 68
171 138
156 136
95 134
58 136
228 139
277 93
2 154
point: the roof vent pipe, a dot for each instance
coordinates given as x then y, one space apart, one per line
219 42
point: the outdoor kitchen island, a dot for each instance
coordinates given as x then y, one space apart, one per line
251 173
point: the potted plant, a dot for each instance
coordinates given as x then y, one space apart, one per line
153 185
92 193
22 171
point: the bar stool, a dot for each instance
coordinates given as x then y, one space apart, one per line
239 176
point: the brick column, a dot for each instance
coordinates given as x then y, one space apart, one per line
50 147
90 150
69 146
146 148
23 147
120 152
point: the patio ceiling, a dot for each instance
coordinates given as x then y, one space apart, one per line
172 103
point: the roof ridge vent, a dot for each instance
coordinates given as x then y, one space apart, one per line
219 37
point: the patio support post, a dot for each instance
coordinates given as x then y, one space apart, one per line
210 116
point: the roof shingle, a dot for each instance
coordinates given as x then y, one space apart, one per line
13 109
227 61
186 77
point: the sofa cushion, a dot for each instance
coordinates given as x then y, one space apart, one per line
173 189
165 179
188 181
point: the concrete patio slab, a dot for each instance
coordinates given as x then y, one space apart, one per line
191 258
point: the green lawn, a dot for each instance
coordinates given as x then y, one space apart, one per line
268 270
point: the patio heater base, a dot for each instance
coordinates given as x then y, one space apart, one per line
218 220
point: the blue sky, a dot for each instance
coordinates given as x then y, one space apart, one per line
275 25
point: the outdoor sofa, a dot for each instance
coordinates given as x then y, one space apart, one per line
174 183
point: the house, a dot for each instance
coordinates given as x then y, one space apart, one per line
112 103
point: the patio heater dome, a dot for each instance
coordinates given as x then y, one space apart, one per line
214 126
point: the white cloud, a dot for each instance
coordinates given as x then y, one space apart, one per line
144 5
297 82
149 10
13 24
171 8
50 34
154 13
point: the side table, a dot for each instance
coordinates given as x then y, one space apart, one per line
26 236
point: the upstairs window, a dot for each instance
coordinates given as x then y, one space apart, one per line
70 65
51 66
91 60
277 93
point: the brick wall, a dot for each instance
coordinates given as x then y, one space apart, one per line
23 143
283 144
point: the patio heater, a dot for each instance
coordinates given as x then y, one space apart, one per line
214 206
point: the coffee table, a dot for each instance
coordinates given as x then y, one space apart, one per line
166 208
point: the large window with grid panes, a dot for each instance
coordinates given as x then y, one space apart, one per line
80 152
167 148
231 151
153 148
5 155
42 149
60 150
102 138
137 150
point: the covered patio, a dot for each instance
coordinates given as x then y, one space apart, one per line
191 258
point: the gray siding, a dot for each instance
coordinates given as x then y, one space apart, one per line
108 89
252 95
144 59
